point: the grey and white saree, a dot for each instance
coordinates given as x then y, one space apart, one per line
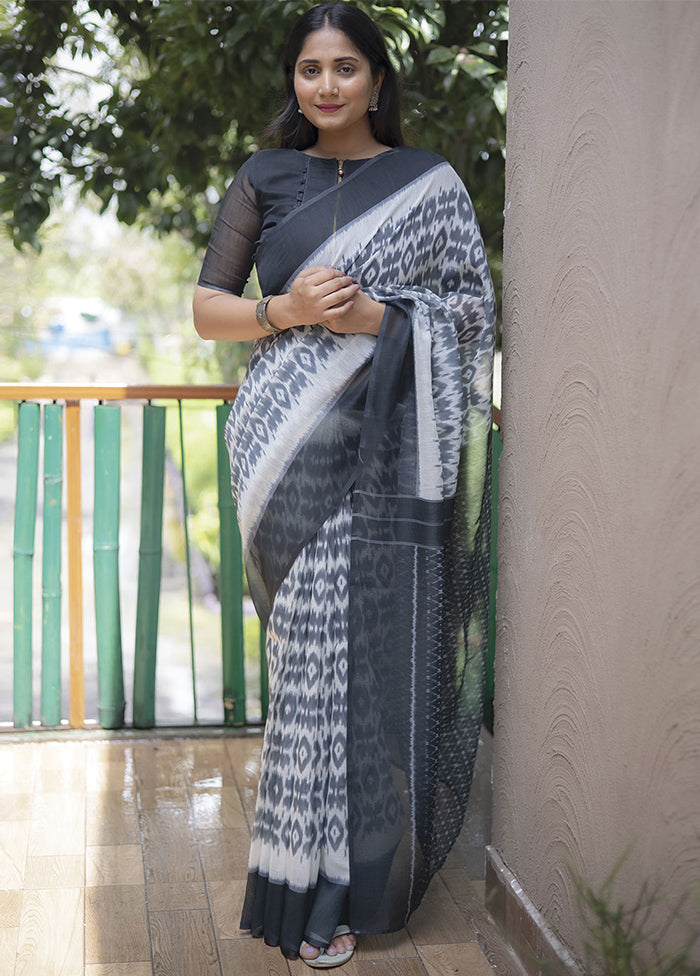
360 474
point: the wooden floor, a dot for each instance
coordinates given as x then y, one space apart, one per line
129 858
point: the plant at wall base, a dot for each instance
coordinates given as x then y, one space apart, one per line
645 938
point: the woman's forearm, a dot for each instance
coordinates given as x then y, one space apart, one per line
218 315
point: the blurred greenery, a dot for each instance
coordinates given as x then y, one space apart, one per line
199 435
8 420
152 106
149 280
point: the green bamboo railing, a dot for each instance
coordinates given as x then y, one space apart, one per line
62 423
150 555
110 674
51 567
23 554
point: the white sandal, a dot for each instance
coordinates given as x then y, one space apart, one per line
323 960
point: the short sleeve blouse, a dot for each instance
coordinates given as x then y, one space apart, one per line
266 188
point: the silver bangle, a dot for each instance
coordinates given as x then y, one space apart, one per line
261 316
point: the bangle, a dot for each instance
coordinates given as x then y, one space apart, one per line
261 316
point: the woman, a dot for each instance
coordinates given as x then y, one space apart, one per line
359 459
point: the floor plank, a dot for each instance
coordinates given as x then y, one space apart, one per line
119 969
184 944
226 898
208 764
14 840
10 907
15 806
438 920
55 871
224 854
60 768
395 945
160 764
165 798
107 750
17 767
468 895
487 934
120 864
461 959
480 890
251 957
110 772
170 846
112 818
244 754
58 824
50 940
112 911
8 949
217 808
176 897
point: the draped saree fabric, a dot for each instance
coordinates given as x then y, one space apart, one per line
360 473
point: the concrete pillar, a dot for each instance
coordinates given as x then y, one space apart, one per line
597 738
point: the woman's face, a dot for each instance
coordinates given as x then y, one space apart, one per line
333 81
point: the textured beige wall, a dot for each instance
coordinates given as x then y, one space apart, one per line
598 666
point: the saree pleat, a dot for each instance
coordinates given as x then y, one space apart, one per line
360 468
300 837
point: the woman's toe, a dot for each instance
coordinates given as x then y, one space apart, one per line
341 943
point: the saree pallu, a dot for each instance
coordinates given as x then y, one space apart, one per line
360 471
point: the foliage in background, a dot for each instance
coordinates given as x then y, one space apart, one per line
645 938
186 87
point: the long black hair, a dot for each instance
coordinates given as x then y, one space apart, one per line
293 129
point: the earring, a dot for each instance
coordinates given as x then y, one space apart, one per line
299 111
373 102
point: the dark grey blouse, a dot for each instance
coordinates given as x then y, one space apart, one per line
267 187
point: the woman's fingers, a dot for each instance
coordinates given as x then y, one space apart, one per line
320 273
344 290
322 288
326 294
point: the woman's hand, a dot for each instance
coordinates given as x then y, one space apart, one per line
362 315
330 297
323 295
317 295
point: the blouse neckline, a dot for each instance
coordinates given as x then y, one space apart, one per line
336 159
